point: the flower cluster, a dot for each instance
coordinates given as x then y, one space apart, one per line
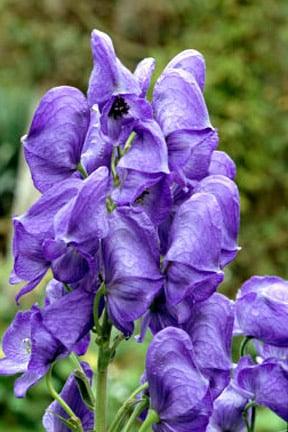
138 217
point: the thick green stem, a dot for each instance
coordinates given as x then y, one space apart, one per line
101 393
104 357
136 413
124 409
151 418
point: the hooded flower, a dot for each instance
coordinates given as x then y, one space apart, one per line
227 412
210 328
192 263
227 195
181 112
56 136
144 165
62 230
262 309
266 384
131 265
119 94
179 393
72 396
29 349
32 229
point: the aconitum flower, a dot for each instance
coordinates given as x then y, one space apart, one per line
71 395
144 165
62 230
131 260
262 309
227 412
227 195
30 231
210 328
29 348
179 393
209 324
56 136
181 112
266 384
119 94
192 263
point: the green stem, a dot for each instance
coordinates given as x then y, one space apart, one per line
136 413
61 401
152 417
253 418
243 345
101 391
250 427
104 356
100 293
125 407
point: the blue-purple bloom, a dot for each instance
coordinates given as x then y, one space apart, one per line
262 309
179 393
227 412
266 384
131 260
29 349
192 263
56 136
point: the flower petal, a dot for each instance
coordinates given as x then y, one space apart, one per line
53 145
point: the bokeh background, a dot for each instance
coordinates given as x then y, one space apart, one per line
45 43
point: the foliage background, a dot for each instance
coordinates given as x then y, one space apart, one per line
44 43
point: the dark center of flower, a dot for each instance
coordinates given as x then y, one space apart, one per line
27 345
119 108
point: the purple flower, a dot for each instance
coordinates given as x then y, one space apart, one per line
119 94
71 395
227 412
209 324
108 76
144 165
191 61
210 328
179 393
227 195
181 112
97 148
70 318
30 231
192 263
262 309
266 384
62 230
221 163
29 349
54 142
131 265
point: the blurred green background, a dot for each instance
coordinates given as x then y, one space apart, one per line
45 43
